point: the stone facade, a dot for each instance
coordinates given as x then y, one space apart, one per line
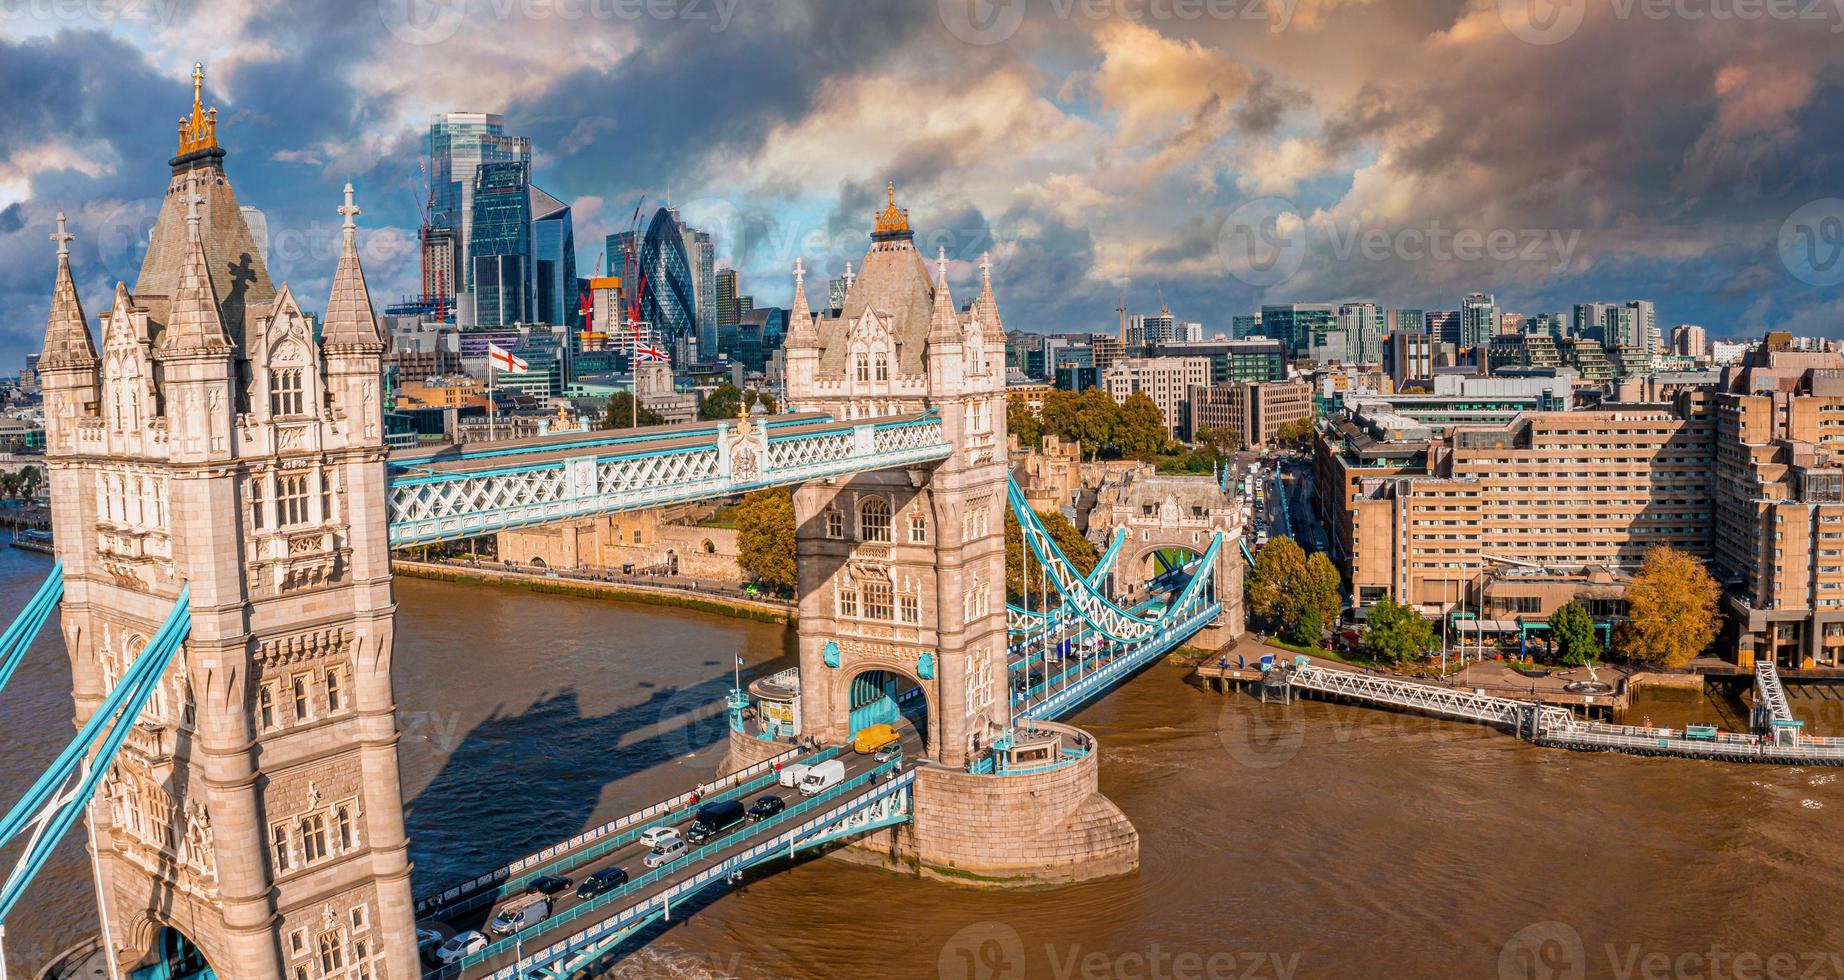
661 539
214 443
1182 513
904 571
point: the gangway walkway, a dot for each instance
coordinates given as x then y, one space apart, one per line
1771 712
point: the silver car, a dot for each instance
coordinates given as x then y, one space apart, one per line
665 853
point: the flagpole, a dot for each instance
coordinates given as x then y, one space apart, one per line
492 402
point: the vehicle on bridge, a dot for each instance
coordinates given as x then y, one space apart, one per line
715 818
655 837
766 806
790 776
461 944
528 910
822 777
548 885
664 853
870 738
605 880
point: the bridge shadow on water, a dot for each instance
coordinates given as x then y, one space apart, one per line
518 782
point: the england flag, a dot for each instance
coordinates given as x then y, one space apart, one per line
506 360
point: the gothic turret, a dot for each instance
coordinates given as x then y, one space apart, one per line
67 333
987 306
193 326
350 321
352 344
802 347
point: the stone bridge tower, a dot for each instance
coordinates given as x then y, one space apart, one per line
253 822
902 573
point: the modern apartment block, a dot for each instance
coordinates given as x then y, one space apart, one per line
1257 410
1167 380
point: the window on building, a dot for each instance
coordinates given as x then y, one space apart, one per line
285 391
361 964
848 602
874 520
864 366
883 366
878 602
278 842
332 954
332 690
360 920
265 707
291 499
835 524
918 528
313 838
342 826
300 695
908 608
256 502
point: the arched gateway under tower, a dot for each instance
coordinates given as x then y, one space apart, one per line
252 825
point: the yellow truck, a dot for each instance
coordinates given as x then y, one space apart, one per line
870 738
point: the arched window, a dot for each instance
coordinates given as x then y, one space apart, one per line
342 822
266 707
332 690
883 366
835 524
918 528
874 520
878 602
863 361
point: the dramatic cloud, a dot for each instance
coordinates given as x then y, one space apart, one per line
1413 150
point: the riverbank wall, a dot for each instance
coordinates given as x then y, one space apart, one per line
765 611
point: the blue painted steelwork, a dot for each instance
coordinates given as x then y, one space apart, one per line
31 619
1021 621
457 493
52 812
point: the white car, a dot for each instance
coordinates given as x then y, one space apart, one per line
655 836
665 853
460 945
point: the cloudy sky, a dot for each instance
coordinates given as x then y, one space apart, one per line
1215 153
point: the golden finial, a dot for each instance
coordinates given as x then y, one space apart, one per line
892 218
200 130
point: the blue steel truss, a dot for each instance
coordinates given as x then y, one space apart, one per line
1020 621
59 796
460 492
31 619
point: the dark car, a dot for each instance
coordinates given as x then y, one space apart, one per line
1024 682
713 819
765 807
605 880
547 885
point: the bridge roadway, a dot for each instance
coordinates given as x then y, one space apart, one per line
562 933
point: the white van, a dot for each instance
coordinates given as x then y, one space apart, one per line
791 776
528 910
822 777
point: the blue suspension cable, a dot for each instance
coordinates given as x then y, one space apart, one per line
31 619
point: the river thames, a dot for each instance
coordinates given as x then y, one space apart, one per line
1310 840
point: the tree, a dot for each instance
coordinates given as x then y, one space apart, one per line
1277 564
1672 605
1024 423
1318 589
1080 552
724 402
1225 439
1573 633
621 412
1395 631
1298 431
765 536
1096 418
1307 629
1139 429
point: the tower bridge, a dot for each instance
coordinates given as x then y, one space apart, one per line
224 509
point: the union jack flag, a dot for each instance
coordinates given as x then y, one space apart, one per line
648 352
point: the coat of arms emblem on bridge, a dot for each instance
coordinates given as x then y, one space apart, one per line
746 446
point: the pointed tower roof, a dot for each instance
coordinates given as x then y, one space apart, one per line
193 325
350 320
67 333
801 331
988 306
943 324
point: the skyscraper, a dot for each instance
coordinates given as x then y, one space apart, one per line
1295 324
1478 319
1443 326
1645 325
1363 326
553 261
459 142
501 244
727 312
1407 321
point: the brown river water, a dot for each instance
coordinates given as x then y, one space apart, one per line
1309 840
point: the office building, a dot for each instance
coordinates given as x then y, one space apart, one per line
1255 410
1296 324
1406 321
1258 359
1689 340
500 247
1245 325
1409 358
1645 326
556 297
1167 380
673 267
1444 326
459 143
1149 330
727 311
1478 320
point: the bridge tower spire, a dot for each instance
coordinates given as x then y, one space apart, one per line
254 817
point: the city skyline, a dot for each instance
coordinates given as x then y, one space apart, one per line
1071 148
